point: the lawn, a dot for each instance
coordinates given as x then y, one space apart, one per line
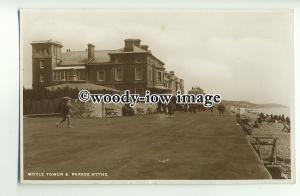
202 146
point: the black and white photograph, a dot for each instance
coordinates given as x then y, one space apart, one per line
157 96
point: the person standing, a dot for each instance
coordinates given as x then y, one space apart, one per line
172 106
194 108
221 108
65 112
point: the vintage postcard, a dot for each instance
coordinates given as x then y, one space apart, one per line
156 96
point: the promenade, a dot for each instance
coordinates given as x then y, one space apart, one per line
202 146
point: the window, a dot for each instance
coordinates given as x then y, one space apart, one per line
71 74
42 64
100 75
63 75
68 75
159 76
150 76
55 76
152 62
138 59
118 74
42 77
79 75
139 91
118 59
45 50
138 73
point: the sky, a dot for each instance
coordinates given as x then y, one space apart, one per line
241 54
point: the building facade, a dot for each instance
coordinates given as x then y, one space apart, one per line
173 83
133 67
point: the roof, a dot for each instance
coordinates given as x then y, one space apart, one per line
74 58
135 49
196 90
82 86
47 41
101 56
81 57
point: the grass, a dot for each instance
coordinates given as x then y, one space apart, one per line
200 146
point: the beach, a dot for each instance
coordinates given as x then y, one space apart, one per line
283 145
275 130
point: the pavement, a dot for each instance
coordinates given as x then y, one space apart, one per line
202 146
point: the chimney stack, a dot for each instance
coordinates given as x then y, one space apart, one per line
137 42
128 45
91 49
172 73
144 47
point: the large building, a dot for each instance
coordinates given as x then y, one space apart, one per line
173 83
132 67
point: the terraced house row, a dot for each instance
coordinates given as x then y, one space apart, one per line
131 67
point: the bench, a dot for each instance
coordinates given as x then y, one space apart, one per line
110 112
266 141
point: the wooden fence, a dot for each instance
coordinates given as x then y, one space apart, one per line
45 106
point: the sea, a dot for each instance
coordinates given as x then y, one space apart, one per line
276 110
